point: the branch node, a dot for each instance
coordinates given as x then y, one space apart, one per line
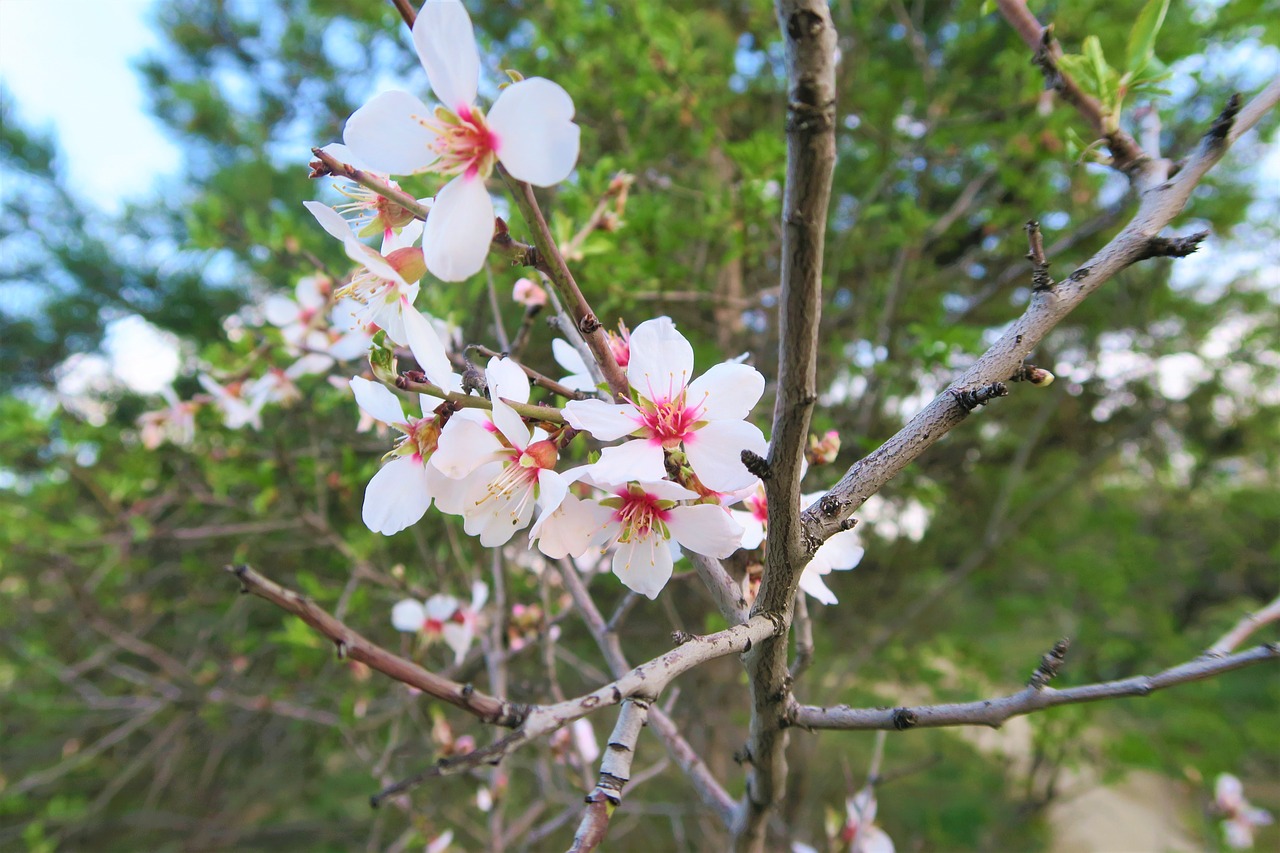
903 719
829 505
756 464
1040 280
971 398
467 690
1050 664
1172 247
589 324
682 637
848 524
742 755
1221 127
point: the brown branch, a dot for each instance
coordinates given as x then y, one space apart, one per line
1249 623
549 261
1158 206
405 8
533 411
994 712
1126 153
615 773
1039 263
810 47
352 645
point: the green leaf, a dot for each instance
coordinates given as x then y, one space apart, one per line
1142 38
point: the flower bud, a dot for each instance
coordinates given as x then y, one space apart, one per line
409 262
824 451
529 294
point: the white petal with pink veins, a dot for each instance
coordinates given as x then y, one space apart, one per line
715 453
388 134
537 139
705 528
605 421
726 392
459 229
428 350
378 401
397 496
446 44
643 564
634 460
408 615
465 446
661 362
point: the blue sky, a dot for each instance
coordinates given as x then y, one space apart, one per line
68 65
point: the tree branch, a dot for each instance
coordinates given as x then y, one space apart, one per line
1157 208
615 772
354 646
1249 623
810 39
994 712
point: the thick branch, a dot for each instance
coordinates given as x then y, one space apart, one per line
994 712
352 645
810 40
1157 208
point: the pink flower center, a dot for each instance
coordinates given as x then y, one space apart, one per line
464 143
639 513
758 506
669 422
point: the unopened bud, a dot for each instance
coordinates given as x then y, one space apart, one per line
529 294
382 361
409 263
1040 377
823 451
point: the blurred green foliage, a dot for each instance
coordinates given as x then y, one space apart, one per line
144 705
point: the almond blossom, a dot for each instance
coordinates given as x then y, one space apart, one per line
370 213
387 284
529 130
175 423
506 467
667 412
860 831
1240 816
642 522
443 617
239 406
402 490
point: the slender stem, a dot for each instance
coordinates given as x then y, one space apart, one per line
539 379
467 401
551 262
1249 623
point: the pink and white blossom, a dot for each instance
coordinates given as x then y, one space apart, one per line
238 405
642 523
443 617
175 423
1240 817
370 213
529 130
705 418
402 490
387 283
297 317
506 468
529 293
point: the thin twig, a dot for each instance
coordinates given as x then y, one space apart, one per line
1240 632
615 772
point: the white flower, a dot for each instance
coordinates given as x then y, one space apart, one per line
443 617
529 130
402 490
297 317
642 522
369 213
239 407
175 423
1240 816
506 468
706 417
388 281
860 831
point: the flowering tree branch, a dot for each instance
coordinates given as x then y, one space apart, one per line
534 411
1159 204
810 39
1035 697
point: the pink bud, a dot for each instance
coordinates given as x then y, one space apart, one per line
529 293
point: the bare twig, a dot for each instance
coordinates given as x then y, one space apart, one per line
533 411
1245 627
994 712
615 772
354 646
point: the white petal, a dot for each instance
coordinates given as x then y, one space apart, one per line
330 220
459 229
479 595
552 489
811 582
428 350
408 615
378 401
753 529
715 453
441 607
281 310
446 46
665 490
643 564
567 357
661 361
312 291
464 446
537 139
570 528
397 496
458 637
841 552
451 495
605 421
507 381
388 133
635 460
706 529
404 238
726 392
496 517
